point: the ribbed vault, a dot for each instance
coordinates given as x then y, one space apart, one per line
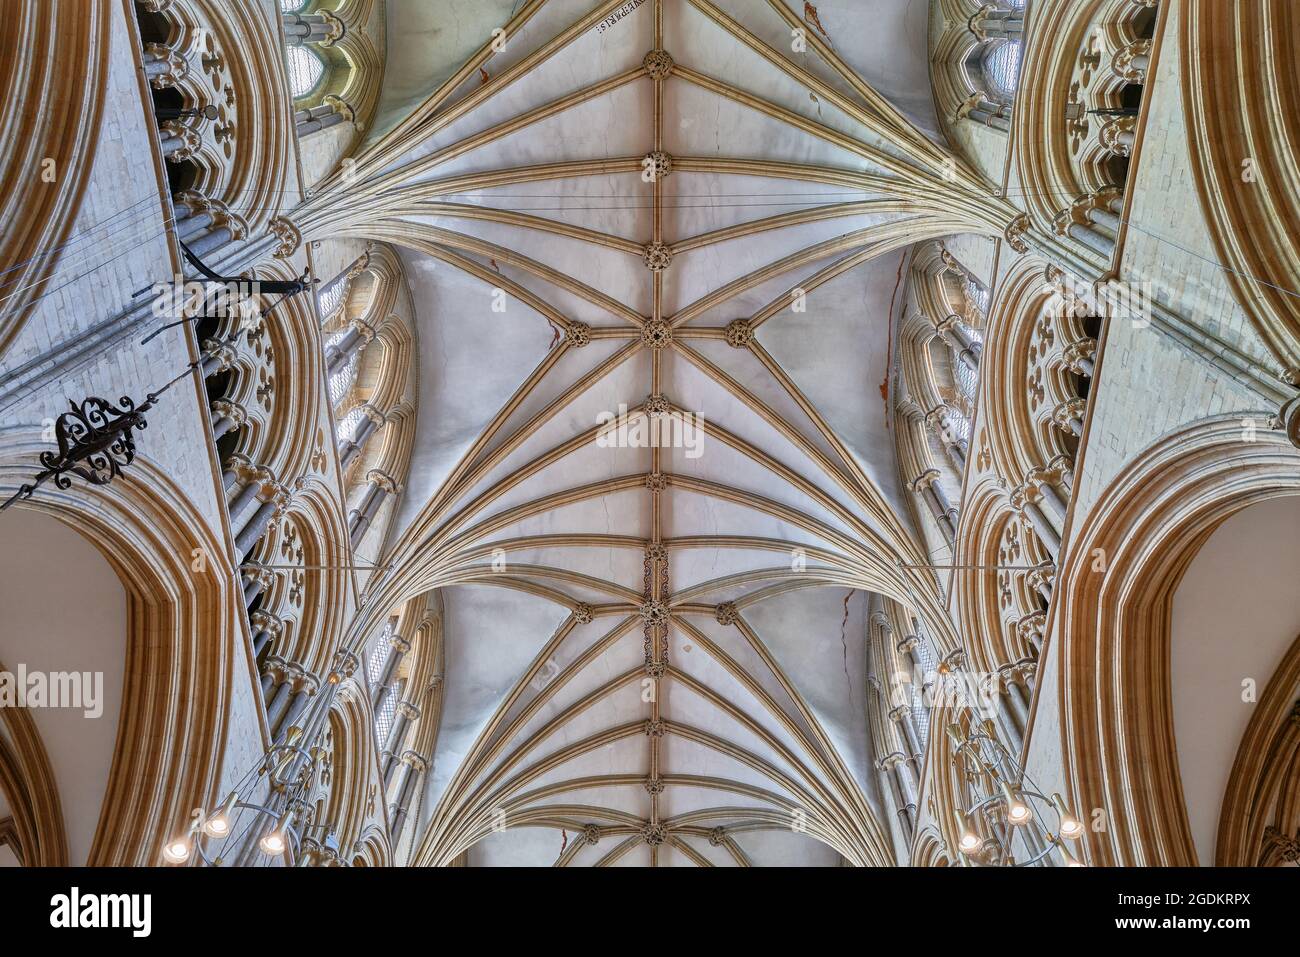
654 655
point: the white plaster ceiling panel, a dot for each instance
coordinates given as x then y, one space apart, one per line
776 848
464 375
814 635
754 657
696 567
611 513
887 46
704 397
710 124
712 674
427 43
479 673
710 49
573 738
593 129
609 268
694 513
721 464
517 847
746 369
707 269
623 380
696 203
590 59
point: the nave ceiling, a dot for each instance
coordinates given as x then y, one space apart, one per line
654 641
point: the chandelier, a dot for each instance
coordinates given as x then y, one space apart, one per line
1006 821
269 815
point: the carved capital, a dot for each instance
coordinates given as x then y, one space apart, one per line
1015 233
288 235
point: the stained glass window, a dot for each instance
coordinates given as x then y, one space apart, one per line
375 661
966 379
347 427
1001 66
385 713
978 295
331 297
920 707
341 382
305 70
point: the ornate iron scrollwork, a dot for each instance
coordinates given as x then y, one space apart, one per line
95 442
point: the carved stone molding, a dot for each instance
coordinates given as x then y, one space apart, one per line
657 257
657 335
578 334
659 163
739 333
658 63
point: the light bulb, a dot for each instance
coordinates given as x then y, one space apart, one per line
277 840
1017 810
177 851
1070 827
218 825
967 839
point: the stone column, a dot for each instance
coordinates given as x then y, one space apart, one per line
902 716
414 767
407 712
218 357
305 688
953 331
353 342
266 628
164 66
303 28
1041 580
926 486
226 416
400 648
283 676
274 499
984 111
1025 500
993 23
903 807
274 672
380 485
256 581
1012 735
939 419
1068 416
1094 221
351 448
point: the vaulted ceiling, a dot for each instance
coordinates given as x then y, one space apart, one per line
599 706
